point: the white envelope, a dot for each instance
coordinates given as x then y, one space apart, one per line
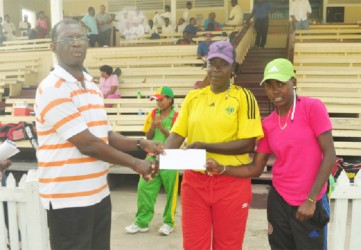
194 159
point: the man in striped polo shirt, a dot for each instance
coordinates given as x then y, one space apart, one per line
75 145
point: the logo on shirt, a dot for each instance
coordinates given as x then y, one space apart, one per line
230 110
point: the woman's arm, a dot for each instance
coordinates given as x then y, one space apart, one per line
307 209
236 147
174 141
253 169
112 90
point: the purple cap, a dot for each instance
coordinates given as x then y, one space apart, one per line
221 49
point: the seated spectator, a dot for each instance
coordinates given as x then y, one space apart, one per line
191 27
108 83
224 36
186 13
152 30
210 24
181 26
167 28
203 47
118 73
186 40
24 26
167 14
236 14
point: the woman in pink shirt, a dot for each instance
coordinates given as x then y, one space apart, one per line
299 134
108 83
42 25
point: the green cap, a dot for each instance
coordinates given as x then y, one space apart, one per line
162 92
278 69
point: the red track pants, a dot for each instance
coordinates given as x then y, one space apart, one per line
214 211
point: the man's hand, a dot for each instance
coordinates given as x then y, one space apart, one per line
146 169
158 122
153 147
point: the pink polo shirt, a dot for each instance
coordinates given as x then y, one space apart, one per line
105 84
296 149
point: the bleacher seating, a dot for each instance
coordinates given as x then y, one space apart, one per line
332 73
340 33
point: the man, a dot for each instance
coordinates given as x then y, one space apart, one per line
104 21
75 144
300 10
186 13
236 15
24 26
9 29
203 47
90 23
260 12
167 28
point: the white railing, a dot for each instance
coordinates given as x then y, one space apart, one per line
346 193
27 219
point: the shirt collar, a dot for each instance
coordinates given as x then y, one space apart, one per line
62 73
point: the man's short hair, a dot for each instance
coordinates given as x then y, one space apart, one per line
54 34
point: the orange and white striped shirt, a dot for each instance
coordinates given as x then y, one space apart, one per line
63 108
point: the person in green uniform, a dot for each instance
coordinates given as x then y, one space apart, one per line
157 126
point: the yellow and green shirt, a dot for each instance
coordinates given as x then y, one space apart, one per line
223 117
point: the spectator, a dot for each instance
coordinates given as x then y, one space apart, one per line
108 83
90 23
105 25
191 28
42 25
2 36
77 143
203 47
24 26
210 24
181 26
224 36
167 28
167 14
156 128
152 30
260 12
8 29
236 15
299 134
186 40
300 10
158 19
186 13
224 120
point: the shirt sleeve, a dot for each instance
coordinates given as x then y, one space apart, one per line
249 121
263 144
114 80
318 117
148 122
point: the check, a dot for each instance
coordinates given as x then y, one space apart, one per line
183 159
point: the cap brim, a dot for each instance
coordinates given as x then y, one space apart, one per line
226 58
276 76
157 96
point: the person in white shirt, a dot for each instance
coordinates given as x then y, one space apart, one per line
24 26
236 15
167 28
9 29
300 10
181 25
151 28
186 13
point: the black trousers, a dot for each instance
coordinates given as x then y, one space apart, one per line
285 231
261 26
81 228
93 39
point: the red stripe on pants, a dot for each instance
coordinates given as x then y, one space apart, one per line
216 202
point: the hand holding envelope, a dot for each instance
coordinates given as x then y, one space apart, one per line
180 159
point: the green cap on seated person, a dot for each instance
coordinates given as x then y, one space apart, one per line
278 69
162 92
